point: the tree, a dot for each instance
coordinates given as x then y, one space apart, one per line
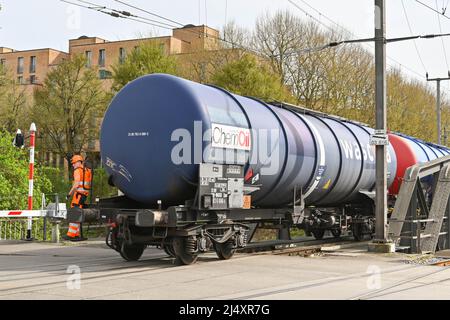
147 58
65 106
249 77
14 176
277 36
14 109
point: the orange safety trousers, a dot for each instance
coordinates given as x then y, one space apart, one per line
78 200
74 230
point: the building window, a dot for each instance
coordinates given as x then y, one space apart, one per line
88 55
33 79
20 65
33 64
101 57
20 80
122 55
105 74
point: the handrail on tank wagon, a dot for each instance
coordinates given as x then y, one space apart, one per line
412 198
304 110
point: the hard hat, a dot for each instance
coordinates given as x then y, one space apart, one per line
76 158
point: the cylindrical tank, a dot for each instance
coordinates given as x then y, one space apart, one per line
159 127
412 151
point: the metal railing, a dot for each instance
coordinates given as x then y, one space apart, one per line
421 217
16 228
415 233
42 228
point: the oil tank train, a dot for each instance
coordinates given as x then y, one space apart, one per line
200 168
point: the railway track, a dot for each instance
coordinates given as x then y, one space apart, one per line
300 246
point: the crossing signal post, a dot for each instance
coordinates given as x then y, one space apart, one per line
30 179
19 142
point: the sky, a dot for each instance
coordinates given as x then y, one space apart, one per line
30 24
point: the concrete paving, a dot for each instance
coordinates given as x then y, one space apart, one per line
45 271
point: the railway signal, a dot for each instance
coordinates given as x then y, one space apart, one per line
19 139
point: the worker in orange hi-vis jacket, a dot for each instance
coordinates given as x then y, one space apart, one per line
82 180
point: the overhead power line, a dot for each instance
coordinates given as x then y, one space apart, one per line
310 15
148 12
411 32
431 8
442 40
120 14
353 35
337 43
323 15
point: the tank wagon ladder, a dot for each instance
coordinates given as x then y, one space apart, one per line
424 223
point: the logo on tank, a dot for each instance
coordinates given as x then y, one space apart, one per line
353 151
119 169
224 136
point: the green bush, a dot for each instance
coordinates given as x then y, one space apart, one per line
14 169
100 187
59 183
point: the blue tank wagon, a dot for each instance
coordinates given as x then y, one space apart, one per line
197 164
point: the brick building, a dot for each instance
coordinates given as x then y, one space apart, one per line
30 67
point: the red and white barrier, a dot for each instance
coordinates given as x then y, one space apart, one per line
23 213
30 178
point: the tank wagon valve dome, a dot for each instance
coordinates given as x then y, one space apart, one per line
159 127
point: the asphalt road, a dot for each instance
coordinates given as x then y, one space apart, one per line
49 271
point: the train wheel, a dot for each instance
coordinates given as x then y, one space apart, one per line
182 256
358 236
131 252
336 233
224 250
318 233
169 250
357 230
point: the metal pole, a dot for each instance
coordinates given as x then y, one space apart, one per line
445 136
380 105
438 105
438 110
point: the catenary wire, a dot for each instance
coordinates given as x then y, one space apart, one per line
427 6
116 15
371 46
442 40
128 14
187 30
411 32
148 12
